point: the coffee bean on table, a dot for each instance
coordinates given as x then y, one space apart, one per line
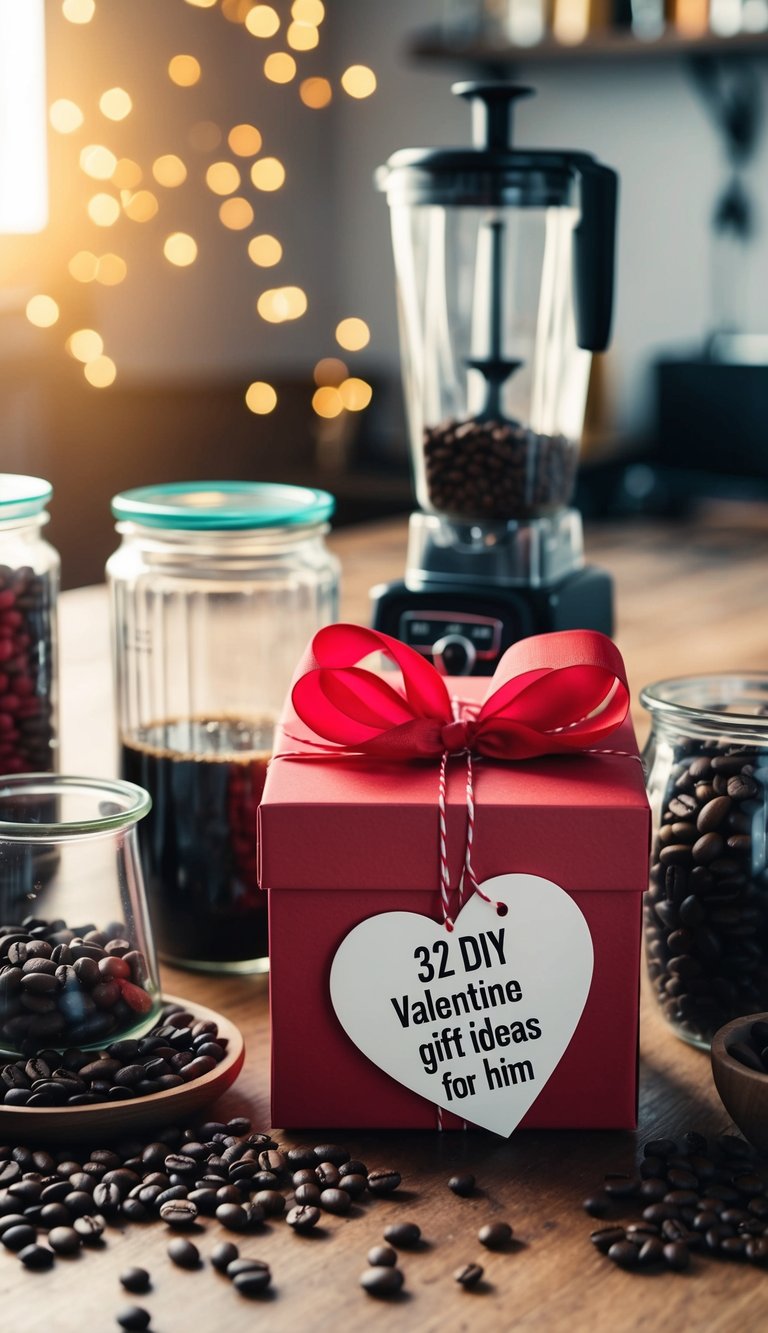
232 1216
181 1213
468 1275
624 1254
382 1256
335 1201
495 1235
64 1240
135 1279
383 1182
382 1281
251 1280
36 1257
19 1237
133 1317
184 1254
303 1218
224 1254
404 1235
463 1185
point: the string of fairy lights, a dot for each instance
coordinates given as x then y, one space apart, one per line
123 188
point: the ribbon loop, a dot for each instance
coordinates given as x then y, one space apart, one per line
550 694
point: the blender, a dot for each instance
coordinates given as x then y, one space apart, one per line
504 262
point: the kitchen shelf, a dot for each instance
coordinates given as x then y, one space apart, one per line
610 45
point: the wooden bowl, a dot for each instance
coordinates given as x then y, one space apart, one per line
105 1121
743 1091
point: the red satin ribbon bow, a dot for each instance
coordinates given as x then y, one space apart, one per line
550 694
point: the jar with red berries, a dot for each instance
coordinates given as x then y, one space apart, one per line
29 585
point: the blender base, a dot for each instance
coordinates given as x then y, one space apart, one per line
464 633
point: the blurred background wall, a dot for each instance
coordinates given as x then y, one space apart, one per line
187 341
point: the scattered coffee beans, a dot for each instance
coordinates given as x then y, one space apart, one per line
496 469
463 1185
468 1275
495 1235
62 987
382 1256
183 1253
404 1235
223 1255
382 1281
383 1182
133 1317
706 910
135 1280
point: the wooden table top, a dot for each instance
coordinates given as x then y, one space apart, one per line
691 598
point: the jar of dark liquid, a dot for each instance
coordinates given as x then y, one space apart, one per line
215 591
706 912
29 585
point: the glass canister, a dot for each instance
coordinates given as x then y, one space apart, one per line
29 585
77 964
707 905
215 591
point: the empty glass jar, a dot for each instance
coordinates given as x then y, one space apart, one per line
707 906
77 963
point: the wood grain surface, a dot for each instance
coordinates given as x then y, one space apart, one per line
691 598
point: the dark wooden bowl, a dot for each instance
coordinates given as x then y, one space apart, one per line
743 1091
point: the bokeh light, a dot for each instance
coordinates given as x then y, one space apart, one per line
115 104
244 140
204 136
308 11
42 311
169 170
315 93
202 4
127 174
260 398
356 394
65 116
327 402
330 370
302 36
236 214
184 71
98 162
141 206
180 249
280 67
282 303
265 250
353 334
222 177
358 81
85 345
103 209
236 11
262 21
111 271
78 11
83 266
268 173
100 372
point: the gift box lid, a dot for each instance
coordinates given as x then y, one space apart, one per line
329 822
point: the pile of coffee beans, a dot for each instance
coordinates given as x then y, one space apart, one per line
753 1051
692 1200
496 469
26 671
68 986
707 907
177 1050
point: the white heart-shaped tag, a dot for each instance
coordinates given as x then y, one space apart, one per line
476 1020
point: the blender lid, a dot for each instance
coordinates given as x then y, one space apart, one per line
489 171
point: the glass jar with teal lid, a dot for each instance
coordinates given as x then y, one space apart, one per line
29 587
216 589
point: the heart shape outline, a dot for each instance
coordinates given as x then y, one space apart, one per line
548 957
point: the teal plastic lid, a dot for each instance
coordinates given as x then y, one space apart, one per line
216 505
22 496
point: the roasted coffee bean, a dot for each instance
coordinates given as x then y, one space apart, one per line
463 1185
36 1257
181 1213
135 1280
301 1157
19 1237
605 1237
303 1217
327 1175
64 1240
468 1275
382 1256
335 1201
331 1152
133 1317
383 1182
354 1186
232 1216
224 1254
90 1228
353 1167
651 1251
382 1281
406 1235
307 1194
624 1254
495 1235
184 1254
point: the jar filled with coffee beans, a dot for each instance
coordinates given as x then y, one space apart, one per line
29 584
77 963
706 911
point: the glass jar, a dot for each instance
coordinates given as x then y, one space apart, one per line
29 585
706 910
77 963
216 590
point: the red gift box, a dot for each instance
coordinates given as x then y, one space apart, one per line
345 838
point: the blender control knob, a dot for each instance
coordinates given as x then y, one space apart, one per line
454 655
